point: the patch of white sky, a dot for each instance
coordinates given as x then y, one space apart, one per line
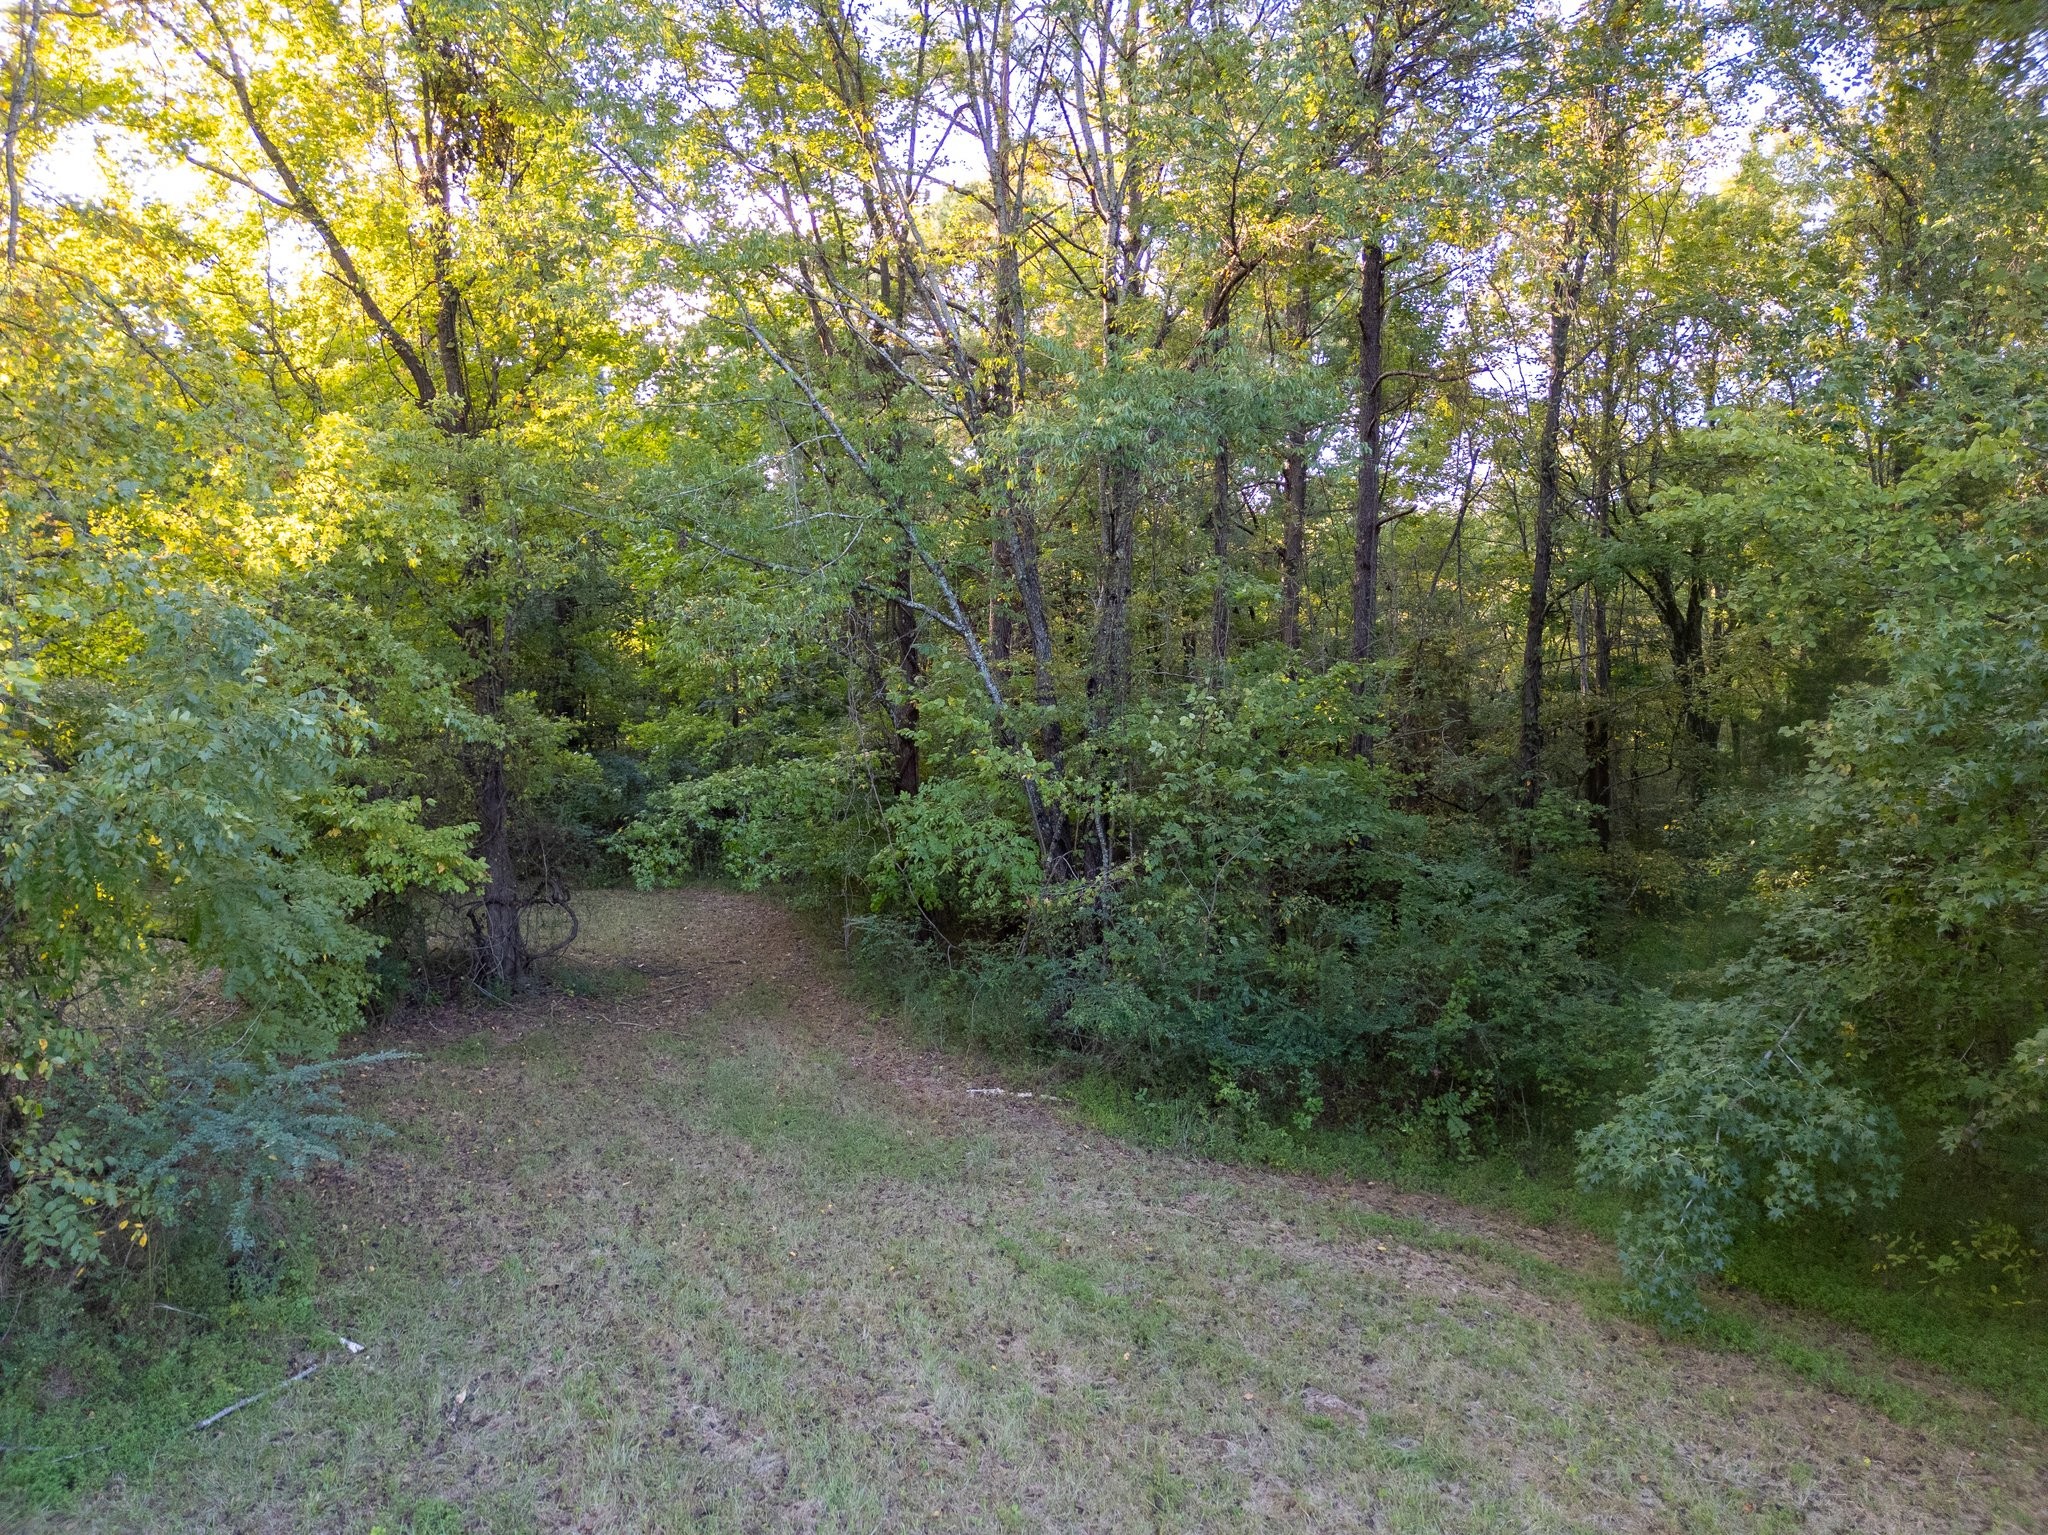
90 164
1743 124
102 162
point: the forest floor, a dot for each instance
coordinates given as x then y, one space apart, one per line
695 1242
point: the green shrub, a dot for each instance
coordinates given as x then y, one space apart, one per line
1264 910
181 866
1743 1119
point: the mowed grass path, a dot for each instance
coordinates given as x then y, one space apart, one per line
709 1249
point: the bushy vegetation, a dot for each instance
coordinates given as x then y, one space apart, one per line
1275 919
1259 554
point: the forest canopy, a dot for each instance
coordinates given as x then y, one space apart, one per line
1468 565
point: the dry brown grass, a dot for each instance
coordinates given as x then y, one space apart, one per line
708 1249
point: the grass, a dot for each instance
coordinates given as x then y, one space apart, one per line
707 1249
1824 1271
93 1392
1825 1275
1829 1271
1537 1187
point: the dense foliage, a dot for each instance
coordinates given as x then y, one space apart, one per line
1286 543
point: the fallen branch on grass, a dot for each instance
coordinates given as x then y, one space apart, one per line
91 1449
250 1401
1004 1092
290 1380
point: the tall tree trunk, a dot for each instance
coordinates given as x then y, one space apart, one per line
910 668
505 955
505 961
1219 531
1294 485
1216 323
1116 180
1294 489
1368 517
1564 292
1117 516
1685 634
1599 726
1607 218
1599 786
28 21
1117 508
988 43
445 145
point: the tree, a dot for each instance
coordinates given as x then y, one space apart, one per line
438 174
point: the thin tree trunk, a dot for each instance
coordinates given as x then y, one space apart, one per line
903 715
505 960
1294 481
1219 530
1528 756
1599 723
1684 623
1599 726
989 61
28 25
1117 192
1215 328
1368 518
1109 683
1294 490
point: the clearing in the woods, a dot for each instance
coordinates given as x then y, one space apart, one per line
699 1244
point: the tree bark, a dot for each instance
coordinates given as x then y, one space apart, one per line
505 960
903 714
28 21
1219 530
1599 785
1564 292
1368 517
1599 727
1294 491
1117 503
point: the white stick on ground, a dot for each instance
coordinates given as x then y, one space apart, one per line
250 1401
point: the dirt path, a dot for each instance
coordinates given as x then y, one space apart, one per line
707 1248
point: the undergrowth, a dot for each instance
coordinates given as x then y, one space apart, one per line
93 1385
1825 1271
